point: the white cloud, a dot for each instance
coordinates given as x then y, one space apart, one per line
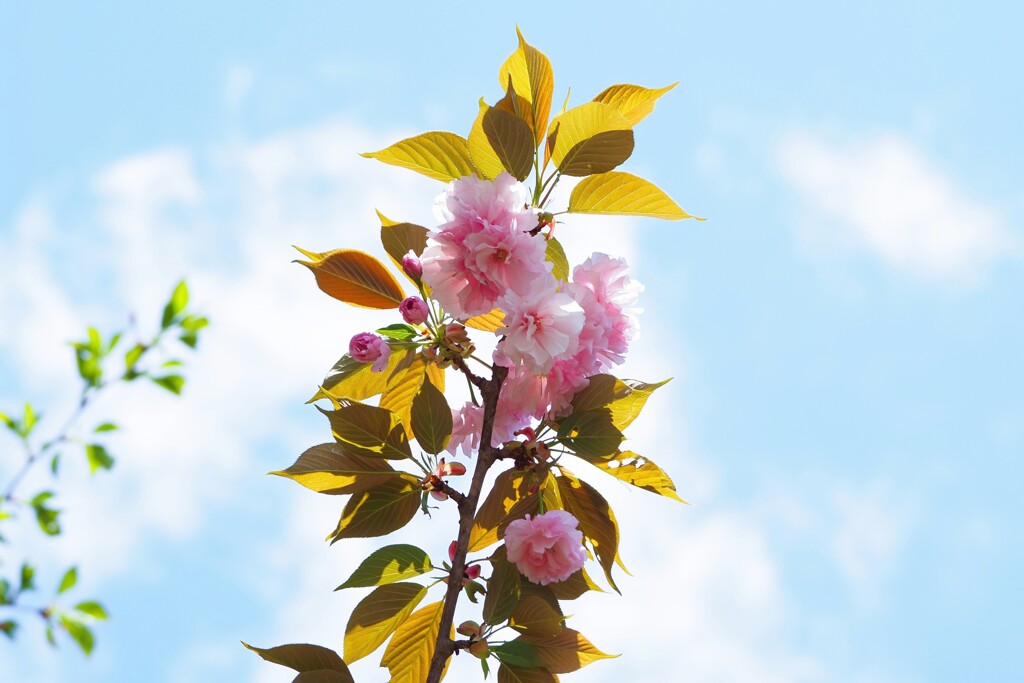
885 196
873 525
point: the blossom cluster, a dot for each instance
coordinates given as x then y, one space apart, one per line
489 253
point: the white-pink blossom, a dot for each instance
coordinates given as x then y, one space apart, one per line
547 548
541 327
483 247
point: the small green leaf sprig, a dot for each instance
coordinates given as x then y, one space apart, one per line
101 363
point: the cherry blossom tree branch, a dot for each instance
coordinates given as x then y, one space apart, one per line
445 646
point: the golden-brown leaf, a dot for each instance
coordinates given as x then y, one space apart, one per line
640 472
566 652
597 521
404 387
380 510
356 278
331 468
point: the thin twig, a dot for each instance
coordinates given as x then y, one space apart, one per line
445 646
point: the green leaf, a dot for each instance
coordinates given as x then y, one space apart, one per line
93 609
370 430
28 574
46 517
399 331
98 457
516 653
69 580
305 658
172 383
356 278
439 155
431 419
132 357
389 564
330 468
177 303
555 255
408 655
566 652
503 589
6 419
28 422
377 616
380 510
80 633
591 138
597 521
106 427
9 628
632 101
621 194
590 433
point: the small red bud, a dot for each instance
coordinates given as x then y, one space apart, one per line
412 266
473 571
451 550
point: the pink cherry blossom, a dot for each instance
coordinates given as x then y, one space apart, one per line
414 310
367 347
547 548
412 266
483 247
541 327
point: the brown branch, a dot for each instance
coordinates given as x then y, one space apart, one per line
445 646
443 486
478 381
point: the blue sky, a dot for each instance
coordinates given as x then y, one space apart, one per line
844 331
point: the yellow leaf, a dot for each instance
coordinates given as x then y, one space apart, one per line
331 468
356 278
431 419
566 652
575 586
633 101
509 487
378 615
403 389
532 79
488 322
535 616
515 674
500 141
623 194
591 138
350 379
439 155
597 521
399 239
408 655
380 510
640 472
435 374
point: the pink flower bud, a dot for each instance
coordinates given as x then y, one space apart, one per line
473 571
438 495
412 266
366 347
414 310
451 550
